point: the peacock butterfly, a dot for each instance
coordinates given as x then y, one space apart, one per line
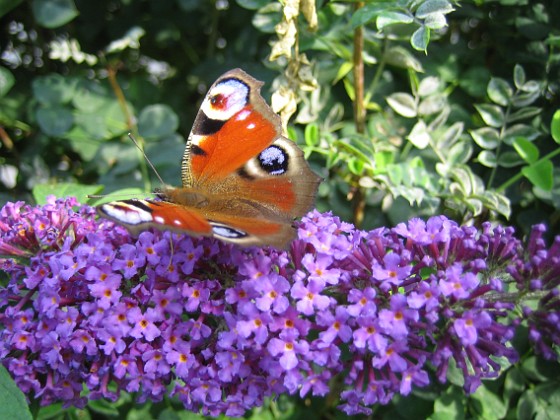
243 182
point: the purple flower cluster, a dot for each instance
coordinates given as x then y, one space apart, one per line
222 328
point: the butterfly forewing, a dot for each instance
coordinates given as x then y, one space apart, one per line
242 181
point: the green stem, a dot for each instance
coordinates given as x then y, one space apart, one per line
112 76
519 175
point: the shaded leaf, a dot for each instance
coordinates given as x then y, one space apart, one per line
53 13
156 121
7 80
12 400
54 121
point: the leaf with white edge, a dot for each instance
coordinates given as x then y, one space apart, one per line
518 76
488 159
510 159
433 6
419 136
7 80
53 13
520 130
392 17
527 150
428 85
451 135
540 174
486 137
460 152
555 126
525 99
435 21
401 57
403 104
524 113
492 115
420 38
432 104
499 91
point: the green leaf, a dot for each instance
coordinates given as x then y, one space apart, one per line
53 13
42 191
367 13
156 121
555 126
53 89
527 150
252 4
499 91
486 137
492 115
403 104
433 6
489 404
392 17
12 400
7 80
91 96
192 5
518 76
120 194
7 5
54 121
420 38
311 134
540 174
266 19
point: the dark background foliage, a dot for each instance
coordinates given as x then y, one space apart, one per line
459 103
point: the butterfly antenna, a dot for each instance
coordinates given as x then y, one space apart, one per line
146 157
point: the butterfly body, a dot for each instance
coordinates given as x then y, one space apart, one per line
243 182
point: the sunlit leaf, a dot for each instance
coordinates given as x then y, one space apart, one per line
540 174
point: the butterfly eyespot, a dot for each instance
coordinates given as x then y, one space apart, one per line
218 101
274 160
225 99
226 231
